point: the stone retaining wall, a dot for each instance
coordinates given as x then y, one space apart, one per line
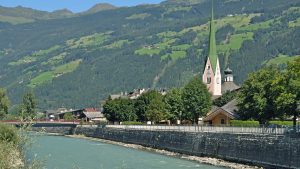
263 150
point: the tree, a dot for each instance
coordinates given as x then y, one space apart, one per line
119 110
68 116
225 98
4 103
28 107
288 89
156 111
196 100
145 101
258 94
174 104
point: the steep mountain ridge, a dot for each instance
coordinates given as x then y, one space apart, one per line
78 61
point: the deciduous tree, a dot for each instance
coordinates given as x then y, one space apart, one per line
119 110
174 104
4 103
196 99
28 107
258 95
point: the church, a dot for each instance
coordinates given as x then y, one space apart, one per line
212 76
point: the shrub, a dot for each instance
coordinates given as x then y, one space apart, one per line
282 123
8 134
241 123
69 116
132 123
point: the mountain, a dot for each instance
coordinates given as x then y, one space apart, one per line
77 61
21 15
100 7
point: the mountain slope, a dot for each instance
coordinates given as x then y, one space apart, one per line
78 61
100 7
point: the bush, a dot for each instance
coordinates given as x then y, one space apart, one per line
241 123
282 123
8 134
69 116
132 123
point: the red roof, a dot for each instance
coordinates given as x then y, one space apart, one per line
91 110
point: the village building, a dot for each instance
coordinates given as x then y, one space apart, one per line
87 114
221 116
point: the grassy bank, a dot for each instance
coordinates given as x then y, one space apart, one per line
13 142
10 151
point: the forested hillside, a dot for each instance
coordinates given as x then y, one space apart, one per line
77 61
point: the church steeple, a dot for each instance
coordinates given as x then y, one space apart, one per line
212 75
212 53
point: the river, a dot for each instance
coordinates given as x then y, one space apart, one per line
60 152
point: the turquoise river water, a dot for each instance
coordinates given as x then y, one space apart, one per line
60 152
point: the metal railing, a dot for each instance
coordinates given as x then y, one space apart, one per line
199 128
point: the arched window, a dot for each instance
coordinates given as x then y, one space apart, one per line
208 80
222 121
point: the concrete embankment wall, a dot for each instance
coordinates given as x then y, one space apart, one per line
263 150
64 129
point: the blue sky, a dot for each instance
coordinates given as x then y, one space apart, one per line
73 5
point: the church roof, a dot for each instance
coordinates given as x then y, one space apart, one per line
228 71
229 110
229 86
212 53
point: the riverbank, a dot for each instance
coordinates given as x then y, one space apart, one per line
203 160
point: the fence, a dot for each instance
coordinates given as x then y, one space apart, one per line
212 129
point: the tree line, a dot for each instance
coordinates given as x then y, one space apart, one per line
187 103
25 111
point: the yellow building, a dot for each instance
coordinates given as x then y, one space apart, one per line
221 116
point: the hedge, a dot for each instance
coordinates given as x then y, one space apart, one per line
132 123
241 123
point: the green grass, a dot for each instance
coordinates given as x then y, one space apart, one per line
67 68
235 42
56 72
148 51
15 20
156 48
168 34
96 39
175 55
281 59
41 79
181 47
56 59
294 23
117 44
257 26
138 16
35 56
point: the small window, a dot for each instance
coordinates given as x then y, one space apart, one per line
222 121
208 80
208 67
218 79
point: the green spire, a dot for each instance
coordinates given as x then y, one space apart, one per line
212 53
